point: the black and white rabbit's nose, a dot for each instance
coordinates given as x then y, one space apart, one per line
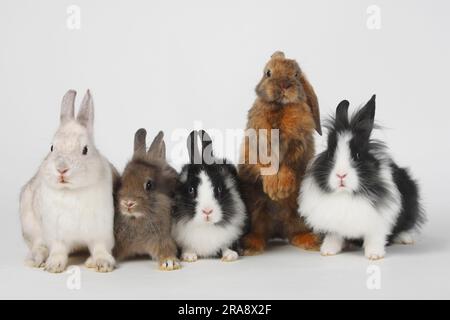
341 176
207 211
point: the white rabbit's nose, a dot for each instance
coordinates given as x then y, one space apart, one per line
63 171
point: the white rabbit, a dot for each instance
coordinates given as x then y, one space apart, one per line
68 205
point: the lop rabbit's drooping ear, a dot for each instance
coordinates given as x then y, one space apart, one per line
311 100
68 106
86 114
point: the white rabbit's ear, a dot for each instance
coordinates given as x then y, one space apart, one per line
86 114
158 147
68 106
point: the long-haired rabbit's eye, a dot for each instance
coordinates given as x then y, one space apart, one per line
85 150
219 191
357 156
191 190
268 73
148 185
51 148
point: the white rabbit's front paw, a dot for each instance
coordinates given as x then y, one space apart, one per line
38 257
101 264
229 255
332 245
189 257
56 263
169 265
374 253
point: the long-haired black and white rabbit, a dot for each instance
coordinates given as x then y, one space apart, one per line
354 190
210 214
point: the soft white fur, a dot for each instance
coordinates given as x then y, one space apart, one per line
200 237
58 218
343 214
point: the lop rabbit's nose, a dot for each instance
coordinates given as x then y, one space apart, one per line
285 84
207 211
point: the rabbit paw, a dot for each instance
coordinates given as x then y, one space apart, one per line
270 186
38 258
332 245
404 238
307 241
189 257
229 255
56 263
101 264
286 183
374 253
169 265
253 245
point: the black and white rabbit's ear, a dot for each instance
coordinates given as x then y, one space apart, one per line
86 114
157 149
363 121
207 149
68 106
139 143
192 146
342 113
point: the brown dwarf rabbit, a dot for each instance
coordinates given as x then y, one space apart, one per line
285 101
144 205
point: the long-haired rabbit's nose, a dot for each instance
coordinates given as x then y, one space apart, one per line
207 211
341 176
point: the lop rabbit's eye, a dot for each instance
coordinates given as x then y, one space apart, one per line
85 150
51 148
149 185
268 73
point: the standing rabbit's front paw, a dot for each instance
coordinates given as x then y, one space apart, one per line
270 186
56 263
189 257
169 264
104 263
229 255
286 183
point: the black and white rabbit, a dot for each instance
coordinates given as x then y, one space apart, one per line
354 190
210 215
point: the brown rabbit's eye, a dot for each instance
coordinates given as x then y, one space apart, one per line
51 148
149 185
85 150
268 73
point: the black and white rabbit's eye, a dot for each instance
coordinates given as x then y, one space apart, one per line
358 156
191 190
268 73
148 185
219 191
85 150
51 148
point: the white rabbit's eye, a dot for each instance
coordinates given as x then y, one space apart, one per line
149 185
85 150
268 73
51 148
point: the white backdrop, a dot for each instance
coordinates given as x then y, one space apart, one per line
166 64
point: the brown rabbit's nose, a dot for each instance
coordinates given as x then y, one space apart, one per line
128 204
285 85
207 211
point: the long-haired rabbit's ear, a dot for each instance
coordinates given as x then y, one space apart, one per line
342 114
311 100
86 114
157 149
363 121
68 106
139 143
192 146
207 149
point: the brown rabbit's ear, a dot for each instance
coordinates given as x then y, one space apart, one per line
313 103
157 149
278 55
139 143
